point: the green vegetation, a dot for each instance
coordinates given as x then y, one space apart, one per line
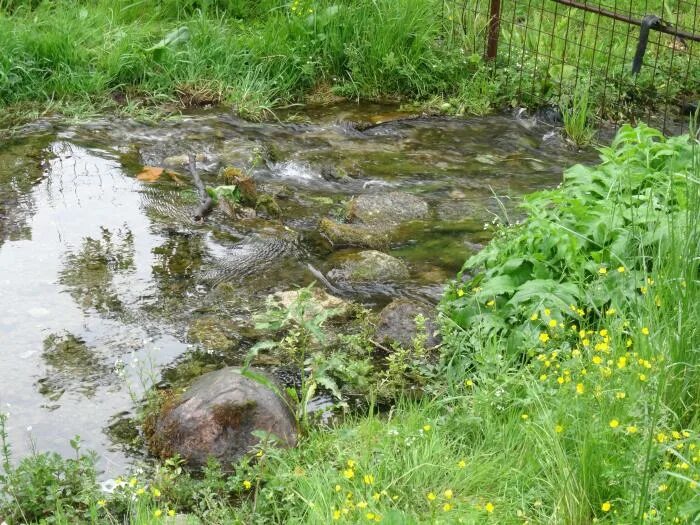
566 390
147 57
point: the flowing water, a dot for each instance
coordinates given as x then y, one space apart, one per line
106 281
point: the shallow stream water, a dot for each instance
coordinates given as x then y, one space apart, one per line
106 280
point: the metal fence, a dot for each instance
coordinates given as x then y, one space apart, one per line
629 59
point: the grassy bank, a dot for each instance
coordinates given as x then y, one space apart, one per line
566 392
150 57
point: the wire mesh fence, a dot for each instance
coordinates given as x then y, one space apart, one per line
628 59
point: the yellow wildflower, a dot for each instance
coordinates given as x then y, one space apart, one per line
336 515
349 473
558 429
101 503
534 317
605 507
631 429
158 513
621 269
580 389
614 423
544 337
368 479
663 487
552 323
645 330
247 484
426 428
491 303
602 270
448 494
447 507
171 513
462 463
431 496
362 505
489 507
460 292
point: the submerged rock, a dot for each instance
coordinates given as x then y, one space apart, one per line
397 324
385 209
213 333
369 266
216 417
340 235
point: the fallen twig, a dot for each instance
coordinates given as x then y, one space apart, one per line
316 273
206 202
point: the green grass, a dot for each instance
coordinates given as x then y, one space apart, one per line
79 58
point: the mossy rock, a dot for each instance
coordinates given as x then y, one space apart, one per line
218 416
213 333
369 266
341 235
386 209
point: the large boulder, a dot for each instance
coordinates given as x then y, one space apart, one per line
386 209
369 266
216 416
397 324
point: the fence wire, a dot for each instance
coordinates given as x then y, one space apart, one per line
560 52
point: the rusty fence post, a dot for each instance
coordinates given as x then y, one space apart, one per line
494 30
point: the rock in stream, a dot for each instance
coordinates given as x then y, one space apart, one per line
216 416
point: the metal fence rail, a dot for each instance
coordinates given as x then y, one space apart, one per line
633 59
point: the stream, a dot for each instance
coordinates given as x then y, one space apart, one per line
106 280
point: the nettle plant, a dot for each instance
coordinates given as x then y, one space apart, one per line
603 221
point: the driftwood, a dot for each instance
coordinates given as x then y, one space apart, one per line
206 202
324 280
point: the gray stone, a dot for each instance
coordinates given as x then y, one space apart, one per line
397 323
215 417
386 209
369 266
341 235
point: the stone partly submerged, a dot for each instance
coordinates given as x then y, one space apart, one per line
369 266
372 218
216 417
387 209
397 324
342 234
